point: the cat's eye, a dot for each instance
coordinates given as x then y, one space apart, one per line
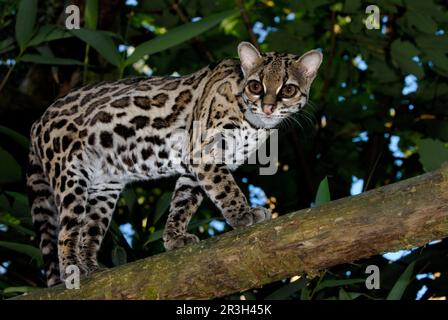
255 87
288 91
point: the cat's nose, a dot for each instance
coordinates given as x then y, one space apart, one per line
268 109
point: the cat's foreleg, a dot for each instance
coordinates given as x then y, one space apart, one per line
220 186
186 199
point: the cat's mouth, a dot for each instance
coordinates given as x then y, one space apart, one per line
261 120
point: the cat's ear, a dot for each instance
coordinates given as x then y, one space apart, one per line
249 56
311 61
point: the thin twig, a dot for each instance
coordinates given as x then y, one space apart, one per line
199 45
247 23
326 85
5 79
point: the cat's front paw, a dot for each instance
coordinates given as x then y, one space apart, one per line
179 241
251 217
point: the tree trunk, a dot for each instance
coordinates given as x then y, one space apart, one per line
402 215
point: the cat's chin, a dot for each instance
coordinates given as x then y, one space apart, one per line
260 121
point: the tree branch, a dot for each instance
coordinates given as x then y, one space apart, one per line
406 214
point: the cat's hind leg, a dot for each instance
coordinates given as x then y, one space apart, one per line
45 217
71 199
102 199
186 199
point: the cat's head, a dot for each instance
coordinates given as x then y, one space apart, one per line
275 85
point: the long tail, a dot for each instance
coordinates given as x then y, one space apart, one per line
45 216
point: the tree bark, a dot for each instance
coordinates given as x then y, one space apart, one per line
402 215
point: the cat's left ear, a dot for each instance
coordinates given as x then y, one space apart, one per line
311 62
250 57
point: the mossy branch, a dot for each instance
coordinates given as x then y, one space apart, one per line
401 215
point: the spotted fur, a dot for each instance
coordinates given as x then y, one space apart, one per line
89 144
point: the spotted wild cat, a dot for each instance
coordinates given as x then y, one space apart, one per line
89 144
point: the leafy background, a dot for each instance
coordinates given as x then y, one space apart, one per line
377 115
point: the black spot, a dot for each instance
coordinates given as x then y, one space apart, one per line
78 209
69 222
83 133
47 136
181 203
142 102
76 146
124 131
217 179
79 191
154 139
101 116
146 153
105 222
49 153
57 170
59 124
63 182
222 195
106 139
94 216
94 231
140 122
72 127
91 139
66 142
120 103
163 154
68 200
159 100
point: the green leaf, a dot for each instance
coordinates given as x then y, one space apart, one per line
337 283
101 42
400 286
15 136
130 197
402 53
323 193
163 203
178 35
49 33
30 251
287 290
4 220
6 45
305 293
119 256
421 21
19 206
91 14
432 153
25 21
41 59
22 289
344 295
10 170
351 6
